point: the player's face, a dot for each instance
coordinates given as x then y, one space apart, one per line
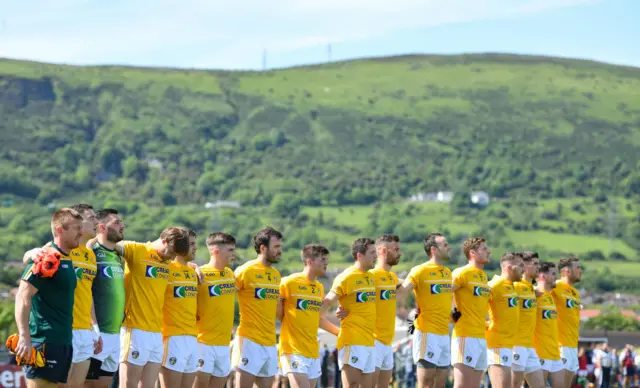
89 224
369 258
114 228
443 248
192 249
319 265
576 272
274 251
532 268
517 267
483 254
71 234
227 254
550 277
393 253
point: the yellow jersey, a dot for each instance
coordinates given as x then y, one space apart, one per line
471 299
528 312
569 305
145 281
216 306
545 337
302 300
180 301
503 314
258 294
386 284
357 293
432 289
85 267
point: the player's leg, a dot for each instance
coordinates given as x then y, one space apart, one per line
299 380
532 371
424 357
383 355
151 371
570 364
369 354
221 371
500 367
468 359
535 379
173 362
351 376
426 374
191 366
442 375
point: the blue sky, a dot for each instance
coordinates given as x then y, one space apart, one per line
234 34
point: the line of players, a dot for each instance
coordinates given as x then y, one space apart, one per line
178 318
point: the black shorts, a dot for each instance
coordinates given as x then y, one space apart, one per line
95 370
57 365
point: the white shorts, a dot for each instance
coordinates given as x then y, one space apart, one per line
551 366
295 363
359 357
469 351
384 356
138 347
180 353
525 360
214 360
433 348
110 353
569 358
500 357
82 343
258 360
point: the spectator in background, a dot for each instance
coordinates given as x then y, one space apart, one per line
324 379
604 362
627 364
338 378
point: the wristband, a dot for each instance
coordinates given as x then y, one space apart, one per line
96 329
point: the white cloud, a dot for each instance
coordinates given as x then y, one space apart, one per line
189 31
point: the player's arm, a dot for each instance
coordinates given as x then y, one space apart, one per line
97 342
404 287
31 253
327 326
26 291
280 309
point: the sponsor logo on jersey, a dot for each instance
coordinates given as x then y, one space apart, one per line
308 305
549 314
156 272
481 291
512 302
222 289
571 303
184 291
364 297
266 293
437 289
387 294
528 303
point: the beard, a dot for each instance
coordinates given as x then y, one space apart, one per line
272 258
114 236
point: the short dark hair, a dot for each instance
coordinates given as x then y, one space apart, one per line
387 238
81 207
263 237
430 242
566 262
191 232
360 246
472 244
509 256
103 214
313 251
547 266
528 256
177 239
219 238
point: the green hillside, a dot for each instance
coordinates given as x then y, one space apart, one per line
553 141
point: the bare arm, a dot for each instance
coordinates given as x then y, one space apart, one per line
404 288
280 309
23 308
97 343
328 300
327 326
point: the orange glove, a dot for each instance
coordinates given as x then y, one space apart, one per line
36 359
46 262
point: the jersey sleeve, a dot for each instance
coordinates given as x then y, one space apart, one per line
239 275
30 277
130 248
413 277
459 278
339 286
283 288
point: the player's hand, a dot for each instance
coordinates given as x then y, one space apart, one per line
24 348
97 345
455 315
341 313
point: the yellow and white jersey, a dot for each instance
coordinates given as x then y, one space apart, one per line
216 306
85 267
180 301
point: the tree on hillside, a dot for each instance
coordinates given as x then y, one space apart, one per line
611 318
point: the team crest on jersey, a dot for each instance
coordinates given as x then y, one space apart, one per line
172 361
527 303
294 364
135 354
430 355
245 361
564 360
156 272
200 363
512 302
516 356
469 359
354 359
571 303
505 358
549 314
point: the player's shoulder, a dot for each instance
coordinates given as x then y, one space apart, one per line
292 278
461 271
344 275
